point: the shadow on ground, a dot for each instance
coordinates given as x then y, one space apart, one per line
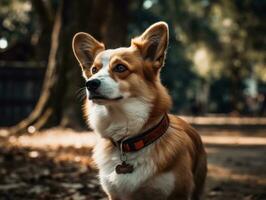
56 164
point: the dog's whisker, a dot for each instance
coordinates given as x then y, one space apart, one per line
82 97
80 90
81 94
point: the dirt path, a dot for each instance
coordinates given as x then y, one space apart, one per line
56 164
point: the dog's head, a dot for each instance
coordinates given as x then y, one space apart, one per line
115 75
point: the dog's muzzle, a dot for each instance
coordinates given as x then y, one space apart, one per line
92 86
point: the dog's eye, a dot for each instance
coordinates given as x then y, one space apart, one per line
120 68
94 70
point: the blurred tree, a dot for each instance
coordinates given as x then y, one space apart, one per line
15 30
57 103
28 39
212 43
214 47
41 38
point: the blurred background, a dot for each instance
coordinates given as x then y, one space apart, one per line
216 63
215 71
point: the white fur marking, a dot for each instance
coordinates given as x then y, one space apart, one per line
122 184
119 120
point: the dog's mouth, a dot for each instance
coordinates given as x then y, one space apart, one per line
95 97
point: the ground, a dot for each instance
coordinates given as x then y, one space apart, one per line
56 164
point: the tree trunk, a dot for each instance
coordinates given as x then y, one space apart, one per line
58 103
115 29
41 39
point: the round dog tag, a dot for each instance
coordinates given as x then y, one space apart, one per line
124 168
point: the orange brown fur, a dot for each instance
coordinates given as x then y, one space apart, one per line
179 152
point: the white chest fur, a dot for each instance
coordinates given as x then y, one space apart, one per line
119 120
116 122
123 185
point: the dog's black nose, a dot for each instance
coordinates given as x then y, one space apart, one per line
93 84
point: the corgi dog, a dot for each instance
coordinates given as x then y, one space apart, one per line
142 152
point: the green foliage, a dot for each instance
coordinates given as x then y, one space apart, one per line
16 23
214 46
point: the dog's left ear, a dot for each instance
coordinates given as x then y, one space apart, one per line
153 43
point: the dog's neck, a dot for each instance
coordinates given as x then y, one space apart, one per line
124 120
129 117
121 120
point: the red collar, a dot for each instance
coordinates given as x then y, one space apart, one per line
140 141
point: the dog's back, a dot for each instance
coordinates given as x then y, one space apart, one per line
185 156
200 159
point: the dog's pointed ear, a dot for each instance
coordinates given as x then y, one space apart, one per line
153 42
85 48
